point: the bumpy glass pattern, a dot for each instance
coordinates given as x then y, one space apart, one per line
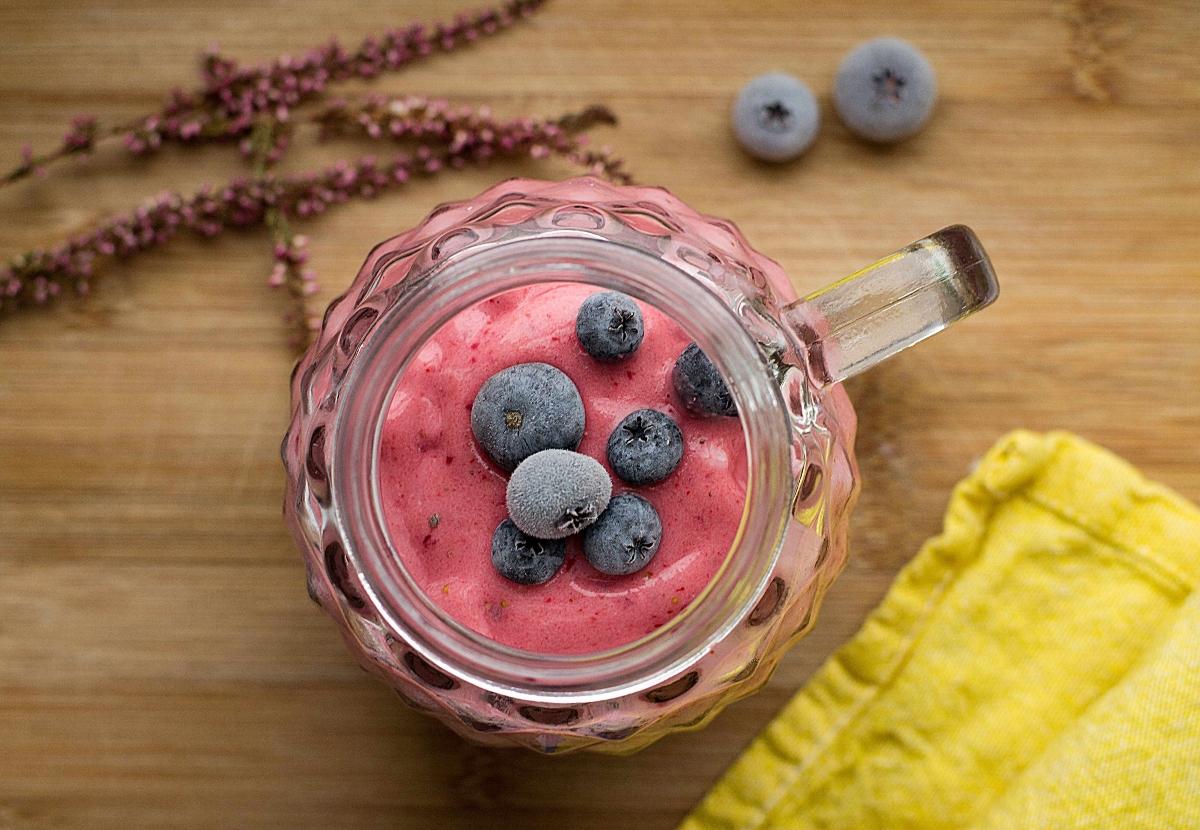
824 486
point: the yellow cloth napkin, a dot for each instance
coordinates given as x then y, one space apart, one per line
1035 666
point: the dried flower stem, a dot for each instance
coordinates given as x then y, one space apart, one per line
267 137
472 134
39 276
233 99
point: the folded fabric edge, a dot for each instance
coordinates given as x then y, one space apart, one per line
847 683
1150 526
1137 772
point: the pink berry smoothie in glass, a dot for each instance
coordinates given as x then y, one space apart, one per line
443 497
399 501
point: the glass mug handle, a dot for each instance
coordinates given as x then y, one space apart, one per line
850 326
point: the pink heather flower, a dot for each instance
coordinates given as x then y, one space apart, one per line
82 134
455 137
233 97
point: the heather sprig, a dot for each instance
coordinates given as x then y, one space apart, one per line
39 276
232 99
472 134
289 272
253 106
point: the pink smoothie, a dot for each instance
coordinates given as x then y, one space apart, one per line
443 498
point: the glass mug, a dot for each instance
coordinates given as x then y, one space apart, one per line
783 360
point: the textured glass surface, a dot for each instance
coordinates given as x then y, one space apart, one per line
823 473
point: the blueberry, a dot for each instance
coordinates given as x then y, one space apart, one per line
525 409
524 559
555 493
625 538
645 447
609 326
775 117
884 90
699 384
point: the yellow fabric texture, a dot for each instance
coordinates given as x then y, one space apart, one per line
1035 666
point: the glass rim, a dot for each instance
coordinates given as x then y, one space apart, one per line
428 300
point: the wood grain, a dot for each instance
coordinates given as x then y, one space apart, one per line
160 665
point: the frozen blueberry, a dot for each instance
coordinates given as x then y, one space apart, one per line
524 559
775 117
884 90
625 538
554 493
699 384
525 409
609 326
645 447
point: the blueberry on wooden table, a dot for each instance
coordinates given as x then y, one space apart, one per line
885 90
775 117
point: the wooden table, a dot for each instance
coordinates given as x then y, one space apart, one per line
160 664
